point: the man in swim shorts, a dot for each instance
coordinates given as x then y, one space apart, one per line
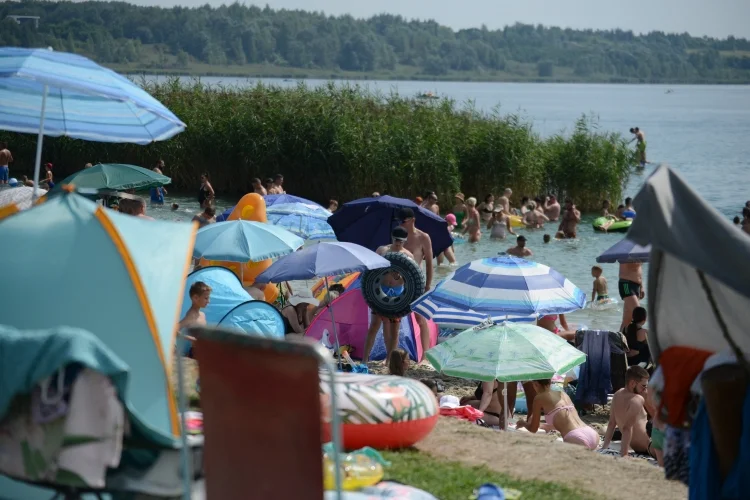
570 219
630 286
392 286
628 413
5 159
640 148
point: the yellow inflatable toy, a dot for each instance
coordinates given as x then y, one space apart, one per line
516 221
251 207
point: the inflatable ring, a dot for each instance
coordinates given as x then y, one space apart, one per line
393 306
620 226
381 411
516 221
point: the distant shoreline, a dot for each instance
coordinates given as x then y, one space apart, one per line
282 72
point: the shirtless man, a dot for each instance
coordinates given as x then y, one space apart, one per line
5 159
430 203
278 185
628 413
520 249
630 286
570 220
258 187
640 149
392 282
552 208
419 244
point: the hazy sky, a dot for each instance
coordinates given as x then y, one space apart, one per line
718 18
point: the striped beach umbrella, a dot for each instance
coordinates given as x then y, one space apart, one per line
60 94
457 319
505 285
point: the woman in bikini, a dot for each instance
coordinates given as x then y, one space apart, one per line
488 399
486 208
560 414
471 222
549 322
206 192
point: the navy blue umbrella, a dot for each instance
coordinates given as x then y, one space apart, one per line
369 222
625 252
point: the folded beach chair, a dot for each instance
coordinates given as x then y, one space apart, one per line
261 415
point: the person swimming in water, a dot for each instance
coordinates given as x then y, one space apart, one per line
392 286
640 148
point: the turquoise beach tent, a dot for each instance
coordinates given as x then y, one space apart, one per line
69 261
232 307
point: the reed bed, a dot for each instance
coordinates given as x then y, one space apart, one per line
345 142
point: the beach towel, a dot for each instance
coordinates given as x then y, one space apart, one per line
463 412
594 382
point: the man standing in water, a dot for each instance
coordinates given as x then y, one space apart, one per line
552 208
5 159
430 203
392 283
278 185
258 187
520 249
630 286
628 413
570 220
640 149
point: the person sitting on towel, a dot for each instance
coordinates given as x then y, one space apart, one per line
560 414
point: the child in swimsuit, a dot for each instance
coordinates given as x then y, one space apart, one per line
560 413
600 291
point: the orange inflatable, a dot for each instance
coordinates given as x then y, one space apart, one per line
251 207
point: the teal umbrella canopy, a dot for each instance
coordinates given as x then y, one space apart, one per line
115 176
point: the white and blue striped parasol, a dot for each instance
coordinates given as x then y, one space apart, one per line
505 285
60 94
457 319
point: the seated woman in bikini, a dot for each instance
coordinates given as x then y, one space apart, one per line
560 413
549 322
489 400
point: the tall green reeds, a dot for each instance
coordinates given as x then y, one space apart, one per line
345 142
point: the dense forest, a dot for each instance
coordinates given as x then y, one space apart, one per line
153 38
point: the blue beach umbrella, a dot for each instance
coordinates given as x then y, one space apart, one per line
369 222
505 285
284 199
306 227
323 259
242 241
625 251
69 261
60 94
305 209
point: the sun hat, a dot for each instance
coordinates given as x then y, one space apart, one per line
303 297
460 196
449 401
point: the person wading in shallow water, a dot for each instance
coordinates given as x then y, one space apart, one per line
570 219
630 286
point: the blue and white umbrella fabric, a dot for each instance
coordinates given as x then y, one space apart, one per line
304 209
505 285
61 94
307 228
457 319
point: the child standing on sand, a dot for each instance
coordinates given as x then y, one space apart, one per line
200 296
600 291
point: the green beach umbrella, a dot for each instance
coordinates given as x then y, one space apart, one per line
507 352
114 176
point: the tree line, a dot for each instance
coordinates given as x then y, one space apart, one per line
117 32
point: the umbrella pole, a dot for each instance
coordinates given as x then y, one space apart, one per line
187 478
333 322
505 406
39 140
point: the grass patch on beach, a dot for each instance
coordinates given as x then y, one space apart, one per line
448 480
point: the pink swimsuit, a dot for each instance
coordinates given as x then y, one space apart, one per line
584 436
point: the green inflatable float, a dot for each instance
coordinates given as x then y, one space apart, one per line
620 226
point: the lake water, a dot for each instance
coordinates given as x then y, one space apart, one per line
701 131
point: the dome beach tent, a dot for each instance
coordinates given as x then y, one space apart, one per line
69 261
353 321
